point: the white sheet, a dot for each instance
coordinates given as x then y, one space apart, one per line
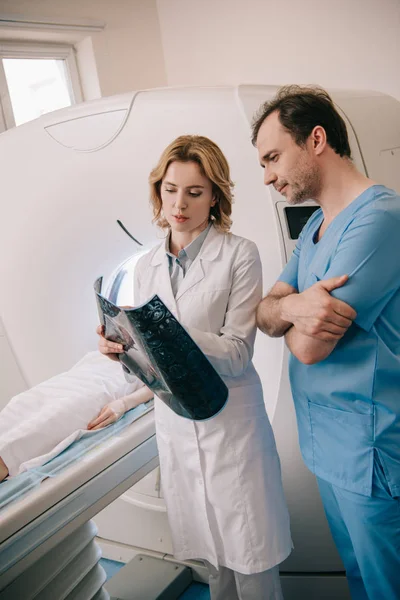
39 423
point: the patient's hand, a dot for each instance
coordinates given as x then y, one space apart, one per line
110 413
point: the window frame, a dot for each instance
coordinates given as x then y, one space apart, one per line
36 51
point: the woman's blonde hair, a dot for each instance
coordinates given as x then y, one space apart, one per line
212 163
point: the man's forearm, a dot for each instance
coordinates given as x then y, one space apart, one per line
307 349
269 318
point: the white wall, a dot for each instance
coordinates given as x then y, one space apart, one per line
351 44
152 43
127 54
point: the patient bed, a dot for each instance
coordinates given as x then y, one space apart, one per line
47 547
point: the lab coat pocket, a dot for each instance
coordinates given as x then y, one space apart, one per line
244 402
342 444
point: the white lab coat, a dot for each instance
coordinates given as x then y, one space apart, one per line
221 477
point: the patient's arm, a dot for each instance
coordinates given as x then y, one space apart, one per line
112 411
109 413
3 469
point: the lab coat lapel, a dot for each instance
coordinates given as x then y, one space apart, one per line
194 275
208 252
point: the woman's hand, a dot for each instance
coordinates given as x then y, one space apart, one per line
110 413
3 469
109 349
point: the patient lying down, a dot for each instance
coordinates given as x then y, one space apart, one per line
91 395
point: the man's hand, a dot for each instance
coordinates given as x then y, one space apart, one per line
315 313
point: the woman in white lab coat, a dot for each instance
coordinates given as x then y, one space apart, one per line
221 477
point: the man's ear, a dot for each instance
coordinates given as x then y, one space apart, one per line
318 139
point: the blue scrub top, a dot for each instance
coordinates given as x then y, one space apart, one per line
348 405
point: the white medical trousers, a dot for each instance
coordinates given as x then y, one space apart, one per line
226 584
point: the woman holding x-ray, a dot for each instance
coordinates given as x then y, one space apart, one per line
221 477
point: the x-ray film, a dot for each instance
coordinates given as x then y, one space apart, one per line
159 351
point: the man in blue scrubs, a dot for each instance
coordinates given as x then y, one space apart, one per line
337 303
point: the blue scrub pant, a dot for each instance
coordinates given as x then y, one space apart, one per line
366 531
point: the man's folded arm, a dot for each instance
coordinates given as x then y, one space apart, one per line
269 311
308 350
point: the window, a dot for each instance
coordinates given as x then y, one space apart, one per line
35 79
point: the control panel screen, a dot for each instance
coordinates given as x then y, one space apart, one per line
297 217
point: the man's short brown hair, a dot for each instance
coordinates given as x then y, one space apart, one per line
300 109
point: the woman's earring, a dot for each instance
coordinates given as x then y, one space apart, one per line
212 208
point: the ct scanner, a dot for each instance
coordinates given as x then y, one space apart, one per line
66 179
